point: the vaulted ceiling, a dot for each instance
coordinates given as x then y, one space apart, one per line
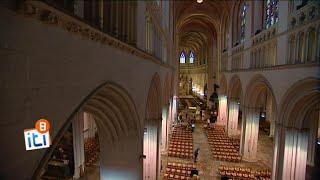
197 24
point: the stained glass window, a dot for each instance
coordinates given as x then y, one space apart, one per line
243 14
271 12
191 57
182 58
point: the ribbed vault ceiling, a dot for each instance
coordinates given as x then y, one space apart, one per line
198 24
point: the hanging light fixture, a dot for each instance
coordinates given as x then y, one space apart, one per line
199 1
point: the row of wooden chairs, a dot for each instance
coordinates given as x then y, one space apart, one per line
176 170
180 146
221 145
235 169
224 149
225 153
185 166
180 172
181 139
187 150
229 158
173 177
180 154
236 172
181 136
181 143
181 132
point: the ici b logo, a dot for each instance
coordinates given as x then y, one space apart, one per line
39 137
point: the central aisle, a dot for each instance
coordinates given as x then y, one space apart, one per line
204 163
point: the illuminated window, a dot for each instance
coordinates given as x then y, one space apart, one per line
182 58
243 14
191 58
271 12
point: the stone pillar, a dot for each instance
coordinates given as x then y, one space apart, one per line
120 159
270 116
222 119
164 125
249 141
78 144
151 149
233 117
278 145
295 154
159 139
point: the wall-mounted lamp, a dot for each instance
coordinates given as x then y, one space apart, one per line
262 114
145 131
199 1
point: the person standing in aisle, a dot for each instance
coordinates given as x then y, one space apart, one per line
196 153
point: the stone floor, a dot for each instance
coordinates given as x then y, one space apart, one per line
208 167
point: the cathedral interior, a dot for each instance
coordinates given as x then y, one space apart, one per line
160 89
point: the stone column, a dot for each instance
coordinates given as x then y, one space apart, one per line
222 119
278 145
164 125
249 141
295 154
151 141
78 144
233 117
270 116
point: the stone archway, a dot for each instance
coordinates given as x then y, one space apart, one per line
260 104
296 130
152 131
118 127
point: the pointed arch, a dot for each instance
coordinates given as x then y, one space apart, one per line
297 100
115 114
254 87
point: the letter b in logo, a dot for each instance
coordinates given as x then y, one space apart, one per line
42 125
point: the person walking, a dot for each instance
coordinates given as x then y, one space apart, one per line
196 152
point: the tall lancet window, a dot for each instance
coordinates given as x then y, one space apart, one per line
182 58
243 14
271 12
191 57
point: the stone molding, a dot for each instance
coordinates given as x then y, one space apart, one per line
49 15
